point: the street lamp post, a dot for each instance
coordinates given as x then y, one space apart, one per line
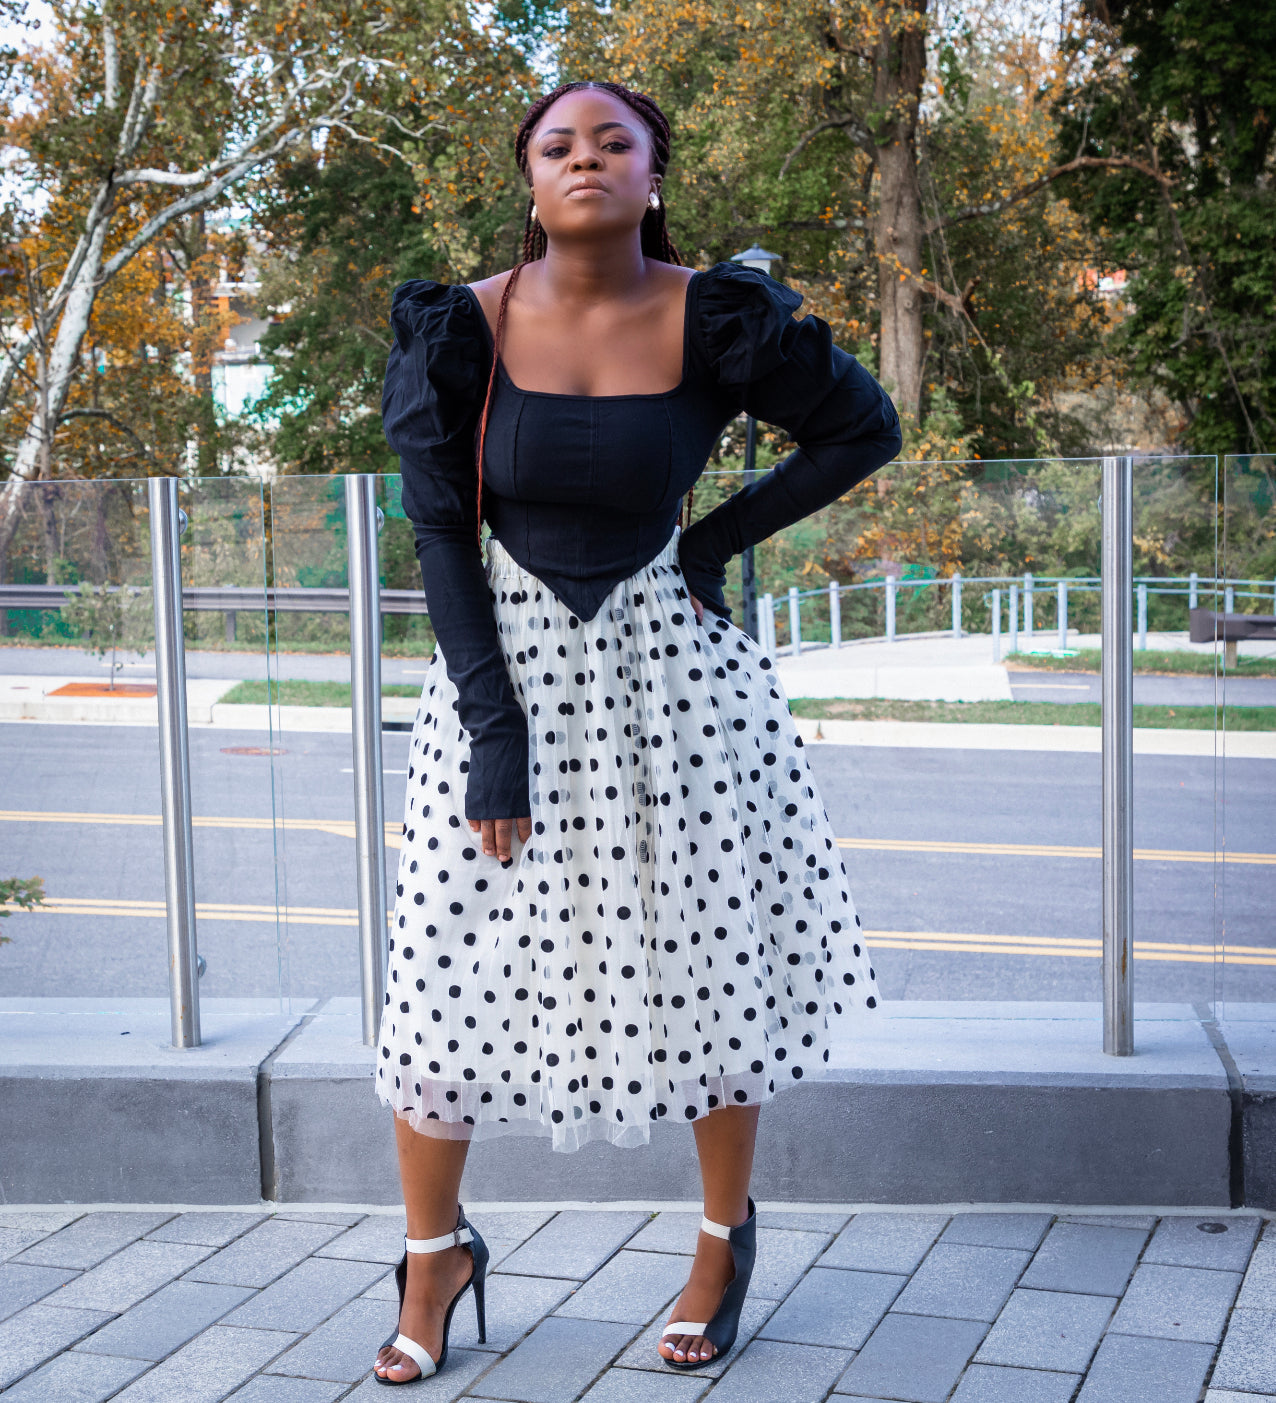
760 259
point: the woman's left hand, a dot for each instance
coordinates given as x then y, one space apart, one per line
698 607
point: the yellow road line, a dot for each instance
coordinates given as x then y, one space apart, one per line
1176 952
344 828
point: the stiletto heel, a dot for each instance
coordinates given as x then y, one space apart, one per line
464 1233
722 1329
480 1308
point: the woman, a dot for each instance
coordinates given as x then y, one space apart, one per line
620 899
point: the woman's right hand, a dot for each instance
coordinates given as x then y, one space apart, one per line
497 832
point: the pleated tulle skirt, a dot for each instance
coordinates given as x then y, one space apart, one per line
677 934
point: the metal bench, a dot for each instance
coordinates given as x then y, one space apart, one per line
1208 627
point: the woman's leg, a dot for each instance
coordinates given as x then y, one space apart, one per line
724 1141
430 1169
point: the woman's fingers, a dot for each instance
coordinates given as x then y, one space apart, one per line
497 833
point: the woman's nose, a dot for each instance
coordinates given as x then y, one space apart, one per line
586 161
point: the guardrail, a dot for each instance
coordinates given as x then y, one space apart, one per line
366 603
1019 593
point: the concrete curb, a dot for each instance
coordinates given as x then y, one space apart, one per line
952 1102
1076 740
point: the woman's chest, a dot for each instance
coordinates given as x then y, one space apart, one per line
621 453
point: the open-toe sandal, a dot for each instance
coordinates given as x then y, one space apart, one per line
721 1330
464 1233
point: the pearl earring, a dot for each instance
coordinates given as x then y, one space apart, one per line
533 213
653 200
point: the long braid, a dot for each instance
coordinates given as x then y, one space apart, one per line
656 243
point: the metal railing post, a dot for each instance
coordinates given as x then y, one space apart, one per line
890 608
1027 607
768 621
1229 599
175 770
1118 757
835 614
1193 586
1143 618
365 693
957 605
762 633
795 621
1063 615
1014 618
996 625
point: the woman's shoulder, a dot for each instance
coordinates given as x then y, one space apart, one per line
424 310
743 320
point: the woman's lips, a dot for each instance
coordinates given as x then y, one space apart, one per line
584 192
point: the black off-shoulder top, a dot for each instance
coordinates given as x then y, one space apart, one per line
584 490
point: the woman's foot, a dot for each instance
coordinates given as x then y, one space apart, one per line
434 1279
712 1270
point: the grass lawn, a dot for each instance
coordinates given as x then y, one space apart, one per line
1145 660
1185 718
309 693
1195 718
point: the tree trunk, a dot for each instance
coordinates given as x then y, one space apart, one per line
35 448
899 63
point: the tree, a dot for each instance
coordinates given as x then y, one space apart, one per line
1170 127
883 149
137 118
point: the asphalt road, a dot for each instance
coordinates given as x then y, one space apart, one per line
79 805
1149 689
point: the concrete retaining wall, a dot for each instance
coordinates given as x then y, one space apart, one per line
935 1102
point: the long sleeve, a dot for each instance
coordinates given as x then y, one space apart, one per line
788 373
430 407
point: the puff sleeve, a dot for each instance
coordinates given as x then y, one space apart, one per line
433 395
788 373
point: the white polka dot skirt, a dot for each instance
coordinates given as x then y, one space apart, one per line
678 932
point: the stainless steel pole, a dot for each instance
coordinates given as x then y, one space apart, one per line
795 621
957 604
1118 756
365 693
175 770
835 614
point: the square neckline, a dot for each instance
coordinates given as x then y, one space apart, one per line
557 394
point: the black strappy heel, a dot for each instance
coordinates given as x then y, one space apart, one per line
721 1330
464 1233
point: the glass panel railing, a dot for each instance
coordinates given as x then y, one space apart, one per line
78 713
238 865
1245 655
943 622
311 651
81 802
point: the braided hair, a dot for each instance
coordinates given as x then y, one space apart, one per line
656 243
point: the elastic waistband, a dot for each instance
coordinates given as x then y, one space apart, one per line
500 562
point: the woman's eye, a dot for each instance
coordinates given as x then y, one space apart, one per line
554 151
617 146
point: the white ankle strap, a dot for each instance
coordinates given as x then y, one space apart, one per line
456 1238
714 1229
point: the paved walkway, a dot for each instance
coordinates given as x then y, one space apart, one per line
917 1305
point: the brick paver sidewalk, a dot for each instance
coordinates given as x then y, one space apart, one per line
975 1307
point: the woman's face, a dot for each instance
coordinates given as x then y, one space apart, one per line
590 163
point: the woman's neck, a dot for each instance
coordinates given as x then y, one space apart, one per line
588 274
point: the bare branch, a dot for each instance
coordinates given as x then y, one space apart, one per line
850 123
1068 168
110 419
